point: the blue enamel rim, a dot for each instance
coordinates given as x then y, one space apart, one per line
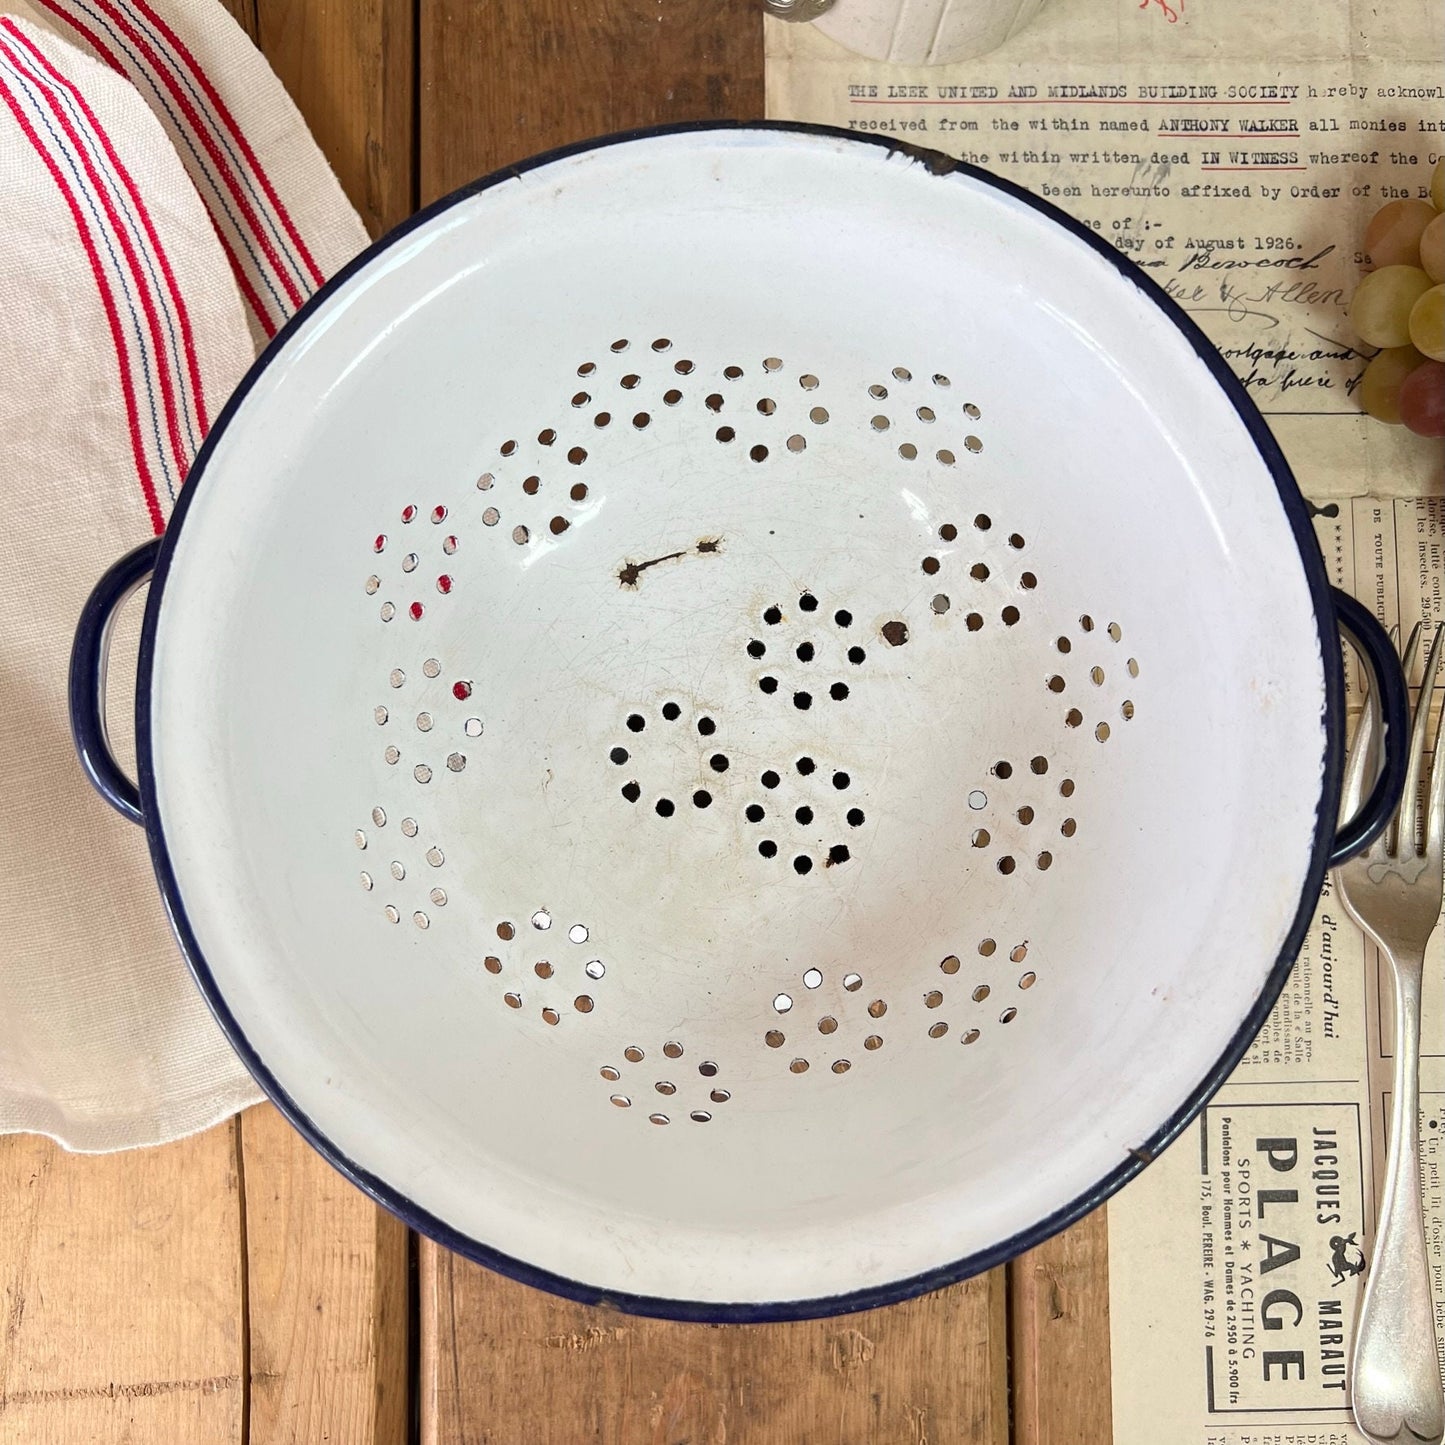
891 1293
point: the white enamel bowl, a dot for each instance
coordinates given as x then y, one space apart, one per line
737 721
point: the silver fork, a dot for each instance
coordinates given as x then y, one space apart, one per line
1393 891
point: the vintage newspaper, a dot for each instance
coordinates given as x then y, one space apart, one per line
1236 149
1236 1261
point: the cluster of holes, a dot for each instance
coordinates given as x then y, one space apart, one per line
715 402
761 808
980 993
397 870
1024 814
726 434
1097 676
923 414
596 409
800 656
602 418
979 572
531 485
804 814
670 1087
544 970
717 762
827 1023
426 722
410 561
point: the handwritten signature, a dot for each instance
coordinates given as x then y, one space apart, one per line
1204 260
1237 313
1170 12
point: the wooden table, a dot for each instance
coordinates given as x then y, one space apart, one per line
231 1287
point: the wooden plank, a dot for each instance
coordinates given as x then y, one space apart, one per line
350 67
502 81
328 1297
1059 1297
122 1304
509 1365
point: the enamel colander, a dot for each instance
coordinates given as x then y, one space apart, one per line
737 721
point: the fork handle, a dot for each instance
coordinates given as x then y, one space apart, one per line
1387 684
1395 1372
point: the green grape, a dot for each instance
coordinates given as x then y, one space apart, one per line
1383 378
1422 399
1427 324
1380 311
1437 185
1432 249
1393 236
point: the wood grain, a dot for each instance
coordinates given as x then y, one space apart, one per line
122 1294
1059 1327
505 1364
328 1297
502 80
350 67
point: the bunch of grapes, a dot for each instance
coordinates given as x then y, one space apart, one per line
1400 307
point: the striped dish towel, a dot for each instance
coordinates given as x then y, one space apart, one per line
163 209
